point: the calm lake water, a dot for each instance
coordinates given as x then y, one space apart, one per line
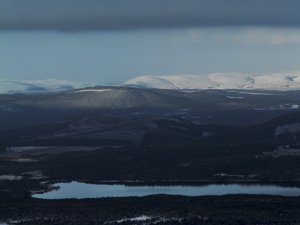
83 190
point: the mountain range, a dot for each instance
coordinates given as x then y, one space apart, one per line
224 81
282 82
9 86
141 132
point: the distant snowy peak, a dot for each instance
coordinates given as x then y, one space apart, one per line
151 82
39 86
219 81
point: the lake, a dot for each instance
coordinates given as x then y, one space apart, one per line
80 190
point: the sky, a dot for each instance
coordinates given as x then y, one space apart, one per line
111 41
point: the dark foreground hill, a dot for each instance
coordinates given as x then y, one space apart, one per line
153 210
206 106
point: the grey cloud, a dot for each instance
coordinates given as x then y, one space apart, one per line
83 15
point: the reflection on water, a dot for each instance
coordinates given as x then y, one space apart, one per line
83 190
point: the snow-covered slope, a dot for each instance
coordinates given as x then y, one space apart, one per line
151 82
219 81
38 86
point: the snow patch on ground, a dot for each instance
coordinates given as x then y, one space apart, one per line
24 160
228 175
288 129
279 107
254 93
147 220
135 219
37 150
235 97
35 175
10 177
92 90
283 152
25 148
295 106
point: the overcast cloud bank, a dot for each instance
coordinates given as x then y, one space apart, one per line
84 15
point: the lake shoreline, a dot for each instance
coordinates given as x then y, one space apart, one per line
295 182
82 190
48 185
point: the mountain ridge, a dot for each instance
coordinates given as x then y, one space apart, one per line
223 81
214 81
9 86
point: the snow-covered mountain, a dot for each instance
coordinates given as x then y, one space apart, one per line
37 86
220 81
282 81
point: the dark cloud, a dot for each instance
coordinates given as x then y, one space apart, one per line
81 15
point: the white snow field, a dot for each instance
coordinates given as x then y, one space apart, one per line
278 81
8 86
